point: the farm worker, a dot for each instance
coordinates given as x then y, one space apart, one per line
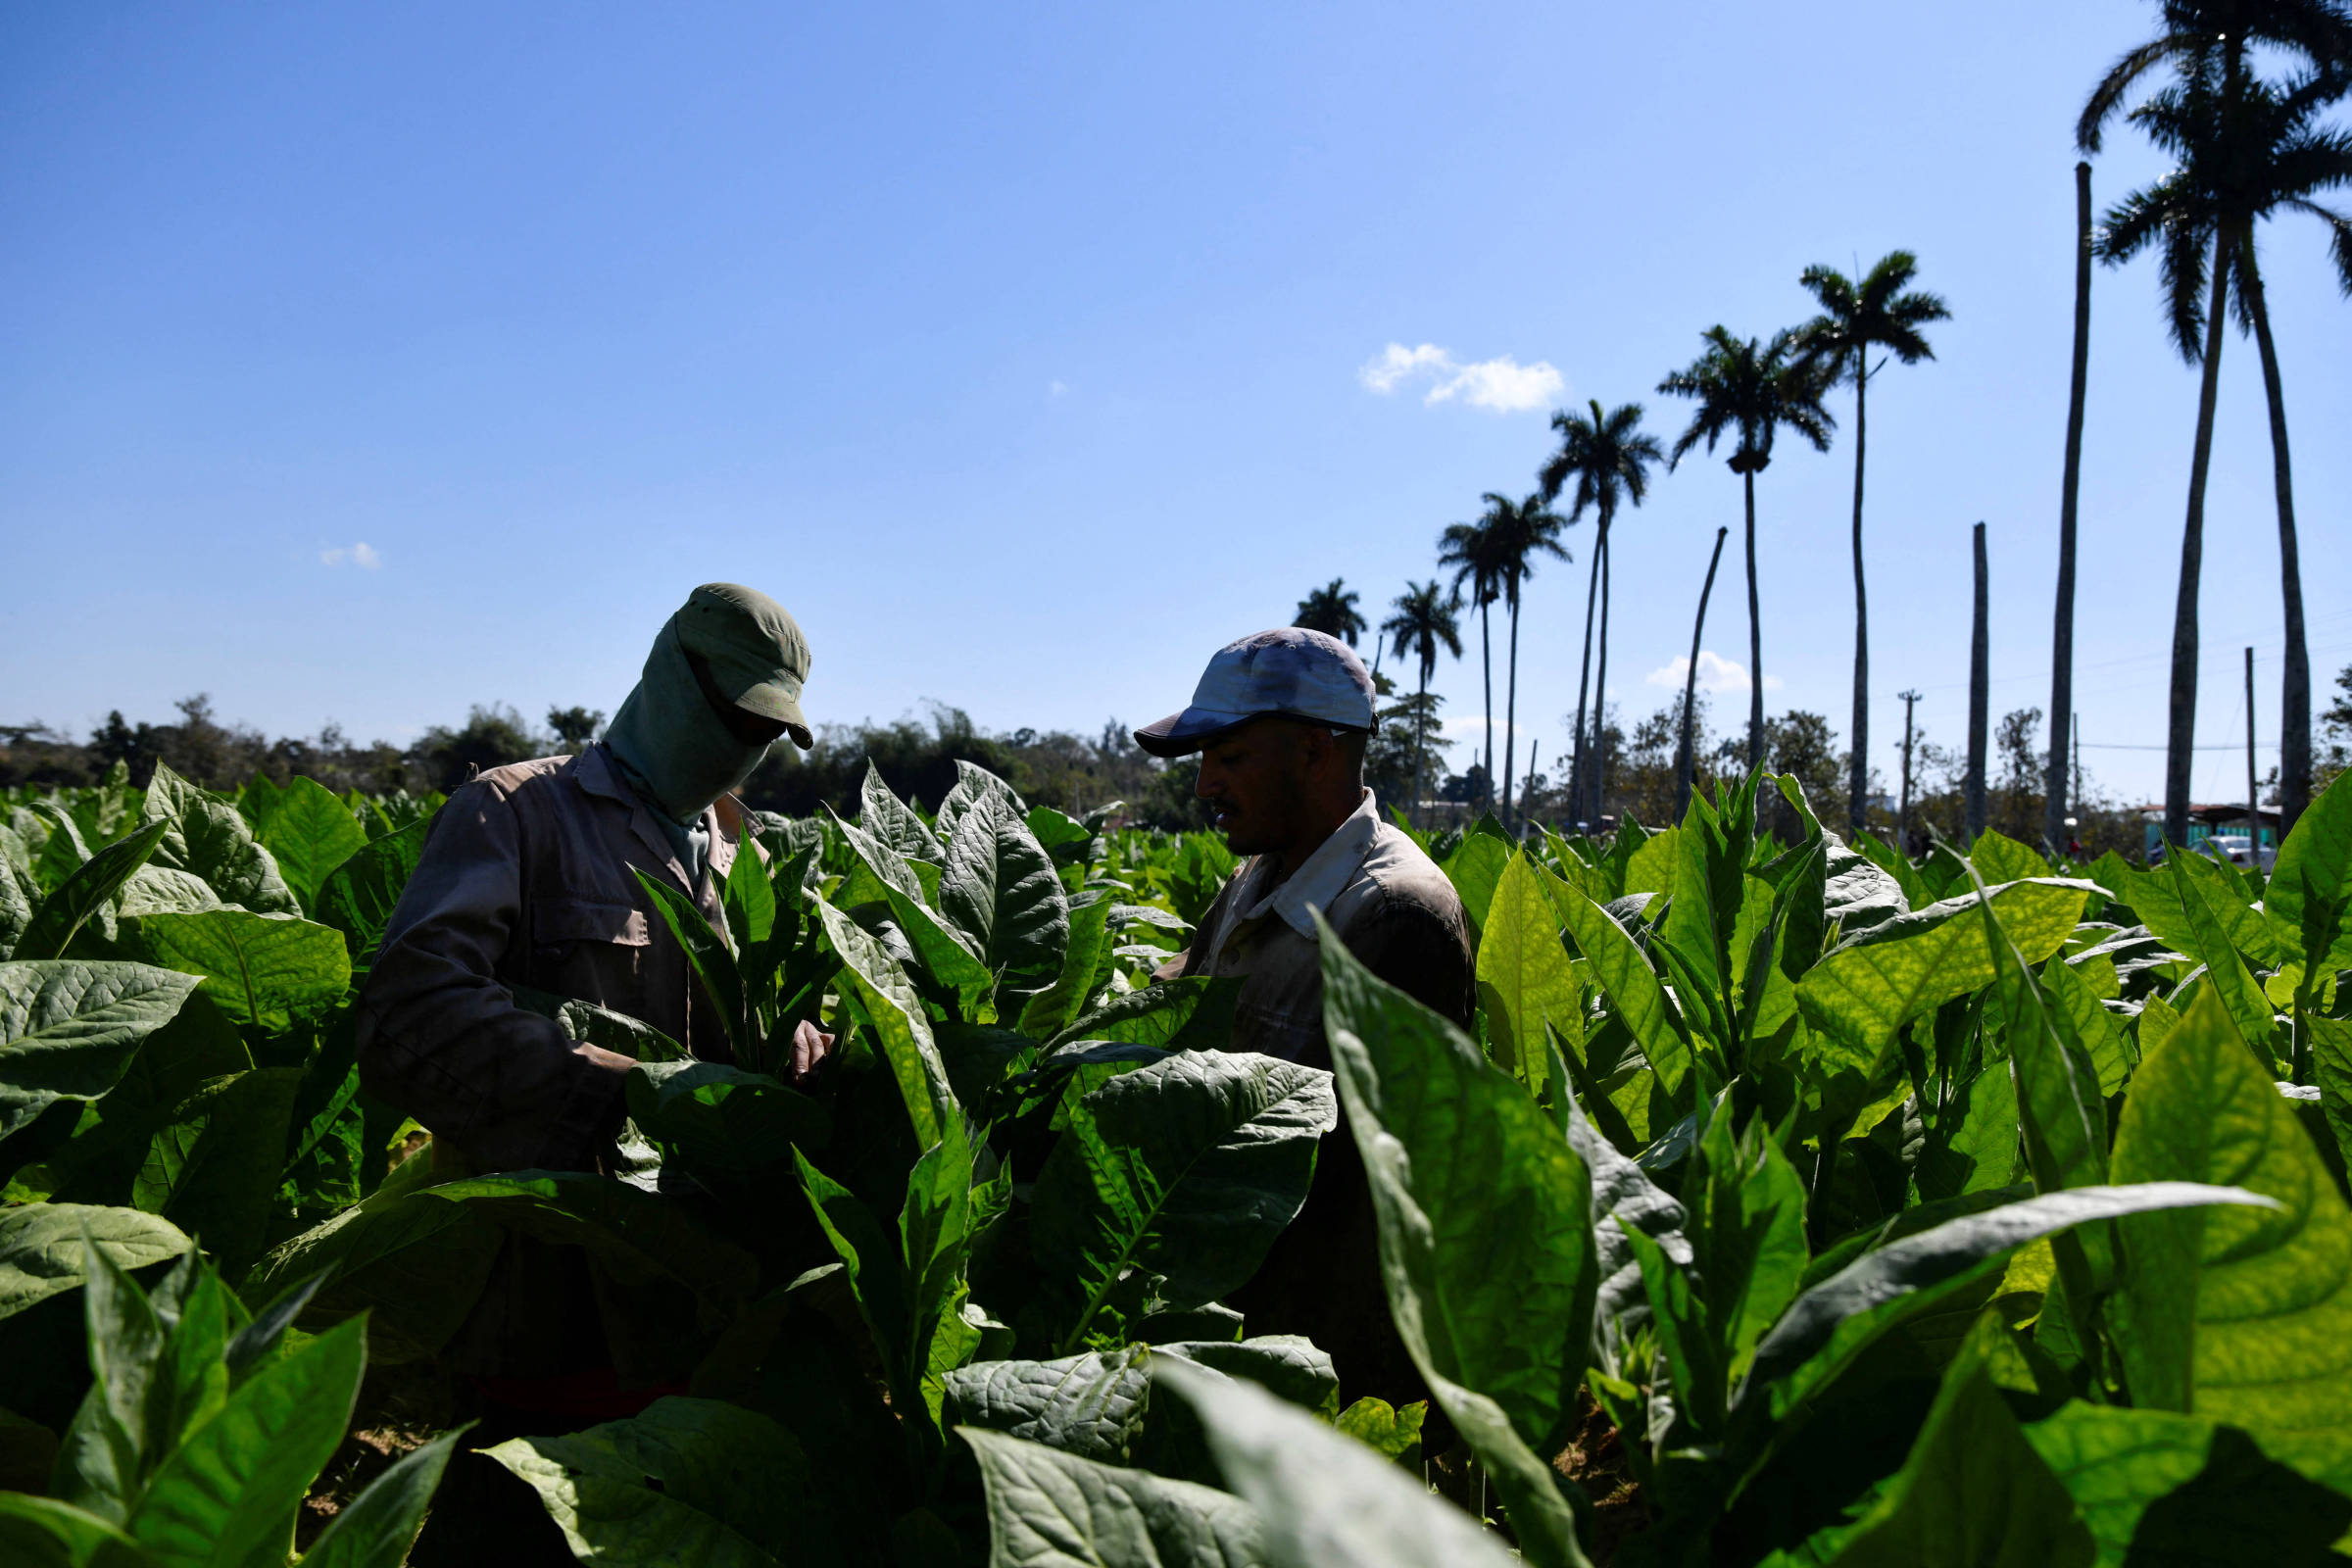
525 883
1280 721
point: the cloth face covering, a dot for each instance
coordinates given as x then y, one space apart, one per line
672 742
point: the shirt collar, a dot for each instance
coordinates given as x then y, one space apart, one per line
1324 875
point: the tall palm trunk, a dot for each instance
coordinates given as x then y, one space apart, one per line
1510 710
1600 679
1980 699
1578 767
1683 744
1755 638
2062 633
2181 731
1485 661
2294 703
1857 779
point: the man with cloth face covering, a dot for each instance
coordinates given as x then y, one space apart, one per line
525 881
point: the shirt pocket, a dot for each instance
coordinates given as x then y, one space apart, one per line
557 921
592 951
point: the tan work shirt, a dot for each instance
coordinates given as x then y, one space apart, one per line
525 882
1386 901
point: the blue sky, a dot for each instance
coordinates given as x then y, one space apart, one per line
1022 351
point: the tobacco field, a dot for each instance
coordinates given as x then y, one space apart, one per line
1794 1202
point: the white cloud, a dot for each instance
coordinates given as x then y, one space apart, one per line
1056 389
1716 673
1501 384
362 555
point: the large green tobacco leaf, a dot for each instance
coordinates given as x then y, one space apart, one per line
1633 988
69 1028
1486 1233
43 1532
208 836
310 833
1973 1491
1323 1498
213 1170
1091 1405
358 896
266 971
1000 891
723 1118
41 1247
902 1026
1049 1509
1999 859
635 1234
1475 868
949 956
85 894
1826 1329
1872 984
2239 1315
1190 1013
2099 1032
708 956
417 1264
1746 1226
1095 1405
1525 978
891 822
1085 962
2310 891
1486 1253
1186 1169
690 1481
225 1495
1973 1146
376 1528
2156 1487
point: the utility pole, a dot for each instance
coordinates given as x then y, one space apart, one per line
1902 821
2253 801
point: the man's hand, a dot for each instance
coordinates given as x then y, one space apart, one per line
810 1046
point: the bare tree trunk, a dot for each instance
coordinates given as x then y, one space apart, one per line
1576 768
1980 699
1857 780
2253 791
2054 792
1698 624
1756 640
1510 710
2182 732
1599 775
2294 701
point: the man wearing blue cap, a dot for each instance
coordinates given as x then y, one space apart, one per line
1280 721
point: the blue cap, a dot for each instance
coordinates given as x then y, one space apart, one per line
1290 671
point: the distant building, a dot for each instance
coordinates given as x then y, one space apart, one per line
2208 821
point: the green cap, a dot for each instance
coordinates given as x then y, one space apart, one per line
753 650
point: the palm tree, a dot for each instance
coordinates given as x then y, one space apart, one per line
1469 549
1750 391
1686 730
1520 530
1331 610
1423 620
1856 319
1609 457
2245 149
2207 41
